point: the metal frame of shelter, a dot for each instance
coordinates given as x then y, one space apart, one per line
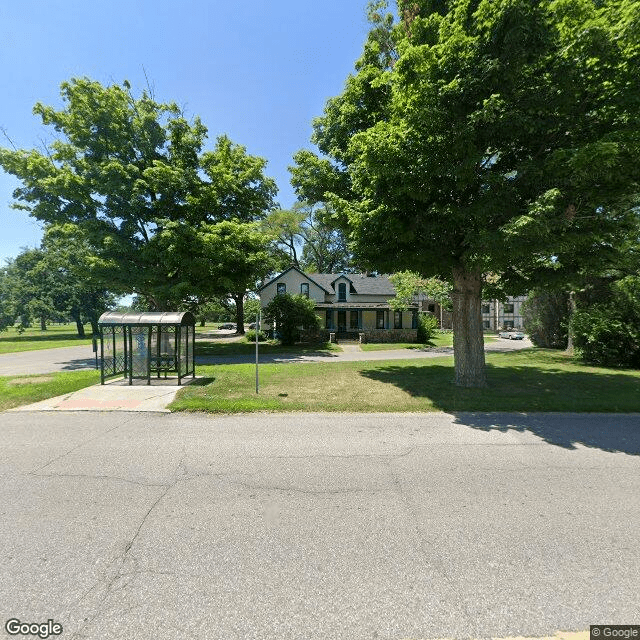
138 345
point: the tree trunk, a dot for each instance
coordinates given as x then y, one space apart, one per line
202 321
572 310
79 325
239 300
468 340
43 323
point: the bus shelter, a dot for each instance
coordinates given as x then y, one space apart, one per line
141 345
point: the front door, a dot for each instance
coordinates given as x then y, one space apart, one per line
342 320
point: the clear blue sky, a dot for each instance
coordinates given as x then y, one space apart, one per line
258 71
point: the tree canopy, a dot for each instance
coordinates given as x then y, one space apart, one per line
129 172
307 237
53 282
483 137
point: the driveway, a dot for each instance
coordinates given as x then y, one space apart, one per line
75 358
336 527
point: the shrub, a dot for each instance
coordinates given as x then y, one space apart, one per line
427 327
545 315
250 336
290 313
608 333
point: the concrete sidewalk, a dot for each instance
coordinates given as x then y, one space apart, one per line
116 395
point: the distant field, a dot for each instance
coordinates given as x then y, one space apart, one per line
59 335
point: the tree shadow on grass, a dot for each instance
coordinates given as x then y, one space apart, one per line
529 389
201 382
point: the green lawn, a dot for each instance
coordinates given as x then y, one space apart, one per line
64 335
528 380
213 348
58 335
439 340
20 390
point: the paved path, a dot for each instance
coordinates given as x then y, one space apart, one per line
353 353
335 527
47 360
116 395
75 358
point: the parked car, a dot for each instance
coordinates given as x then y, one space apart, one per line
227 325
252 325
511 335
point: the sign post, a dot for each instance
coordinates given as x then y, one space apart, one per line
257 338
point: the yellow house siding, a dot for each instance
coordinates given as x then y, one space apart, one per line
292 279
368 320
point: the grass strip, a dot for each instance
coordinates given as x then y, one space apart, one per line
213 348
439 340
16 391
522 381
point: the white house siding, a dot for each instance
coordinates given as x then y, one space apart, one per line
292 279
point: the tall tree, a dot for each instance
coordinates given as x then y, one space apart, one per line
485 137
125 169
309 239
227 260
54 281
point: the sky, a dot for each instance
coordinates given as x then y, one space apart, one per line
257 71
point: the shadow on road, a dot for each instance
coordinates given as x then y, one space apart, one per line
78 363
607 433
532 390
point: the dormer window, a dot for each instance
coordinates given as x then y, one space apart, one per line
342 292
304 289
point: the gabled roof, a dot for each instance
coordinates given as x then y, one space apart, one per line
361 282
302 273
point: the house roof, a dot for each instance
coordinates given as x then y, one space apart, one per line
306 275
361 282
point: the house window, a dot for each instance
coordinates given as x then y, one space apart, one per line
508 308
304 289
353 320
508 324
414 320
379 319
486 324
397 319
342 292
431 308
282 288
485 308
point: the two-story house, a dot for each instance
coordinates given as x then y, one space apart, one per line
349 305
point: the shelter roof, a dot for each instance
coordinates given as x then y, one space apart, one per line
148 318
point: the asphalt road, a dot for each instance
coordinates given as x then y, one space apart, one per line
75 358
305 526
